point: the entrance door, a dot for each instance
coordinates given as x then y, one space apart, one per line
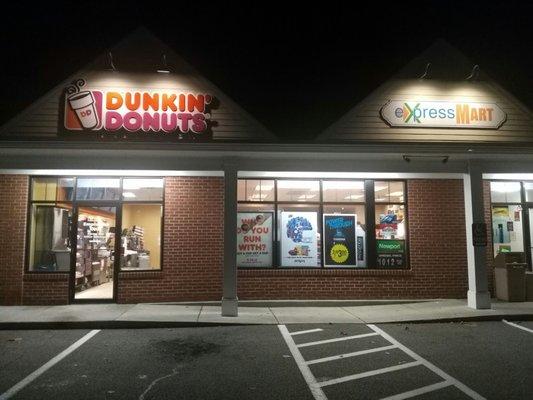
530 245
93 275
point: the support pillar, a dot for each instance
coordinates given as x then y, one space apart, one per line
229 291
478 294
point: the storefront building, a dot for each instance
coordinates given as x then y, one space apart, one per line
137 180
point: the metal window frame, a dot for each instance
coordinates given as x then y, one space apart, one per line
75 204
370 215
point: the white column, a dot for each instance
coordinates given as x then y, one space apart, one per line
229 291
478 294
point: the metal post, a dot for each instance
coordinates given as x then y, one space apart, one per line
229 292
478 294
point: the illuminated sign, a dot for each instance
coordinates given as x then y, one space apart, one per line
442 114
150 111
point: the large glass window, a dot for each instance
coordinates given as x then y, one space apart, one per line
259 190
300 191
318 223
505 192
98 189
141 236
53 203
390 223
507 231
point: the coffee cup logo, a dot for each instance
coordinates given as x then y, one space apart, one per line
82 102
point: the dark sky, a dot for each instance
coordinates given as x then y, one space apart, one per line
295 68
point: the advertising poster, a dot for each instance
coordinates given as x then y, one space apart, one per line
391 253
340 244
299 239
254 239
507 229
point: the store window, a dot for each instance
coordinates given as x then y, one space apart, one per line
49 224
390 223
98 189
300 191
141 236
311 223
505 192
507 215
55 200
255 190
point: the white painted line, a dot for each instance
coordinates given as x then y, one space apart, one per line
518 326
317 392
369 373
462 387
354 354
337 339
45 367
419 391
304 332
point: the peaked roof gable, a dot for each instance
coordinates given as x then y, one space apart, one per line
136 59
445 82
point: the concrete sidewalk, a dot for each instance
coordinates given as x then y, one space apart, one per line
168 314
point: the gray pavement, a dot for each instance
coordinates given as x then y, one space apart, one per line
493 360
167 314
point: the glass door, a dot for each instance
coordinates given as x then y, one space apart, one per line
96 249
530 245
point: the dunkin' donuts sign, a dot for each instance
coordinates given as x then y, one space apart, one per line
163 111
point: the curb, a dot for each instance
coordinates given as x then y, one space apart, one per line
57 325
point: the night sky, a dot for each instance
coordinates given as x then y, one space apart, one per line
295 68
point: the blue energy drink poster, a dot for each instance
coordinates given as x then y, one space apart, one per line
340 245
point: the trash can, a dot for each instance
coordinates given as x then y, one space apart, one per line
511 282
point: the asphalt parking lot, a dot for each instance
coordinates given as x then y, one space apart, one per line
491 360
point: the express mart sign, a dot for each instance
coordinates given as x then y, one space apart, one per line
442 114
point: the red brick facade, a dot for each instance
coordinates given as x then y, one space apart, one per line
13 206
193 253
437 242
193 248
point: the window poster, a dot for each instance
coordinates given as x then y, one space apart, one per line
254 239
390 253
299 244
340 244
507 229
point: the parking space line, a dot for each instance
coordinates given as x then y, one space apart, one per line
316 391
45 367
354 354
462 387
369 373
337 339
419 391
518 326
306 331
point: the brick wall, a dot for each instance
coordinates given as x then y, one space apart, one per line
44 289
193 248
437 258
13 203
193 253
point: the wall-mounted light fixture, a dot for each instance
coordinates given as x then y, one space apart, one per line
408 158
474 75
110 64
425 75
163 68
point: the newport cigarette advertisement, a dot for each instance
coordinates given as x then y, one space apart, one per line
254 239
299 239
340 246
